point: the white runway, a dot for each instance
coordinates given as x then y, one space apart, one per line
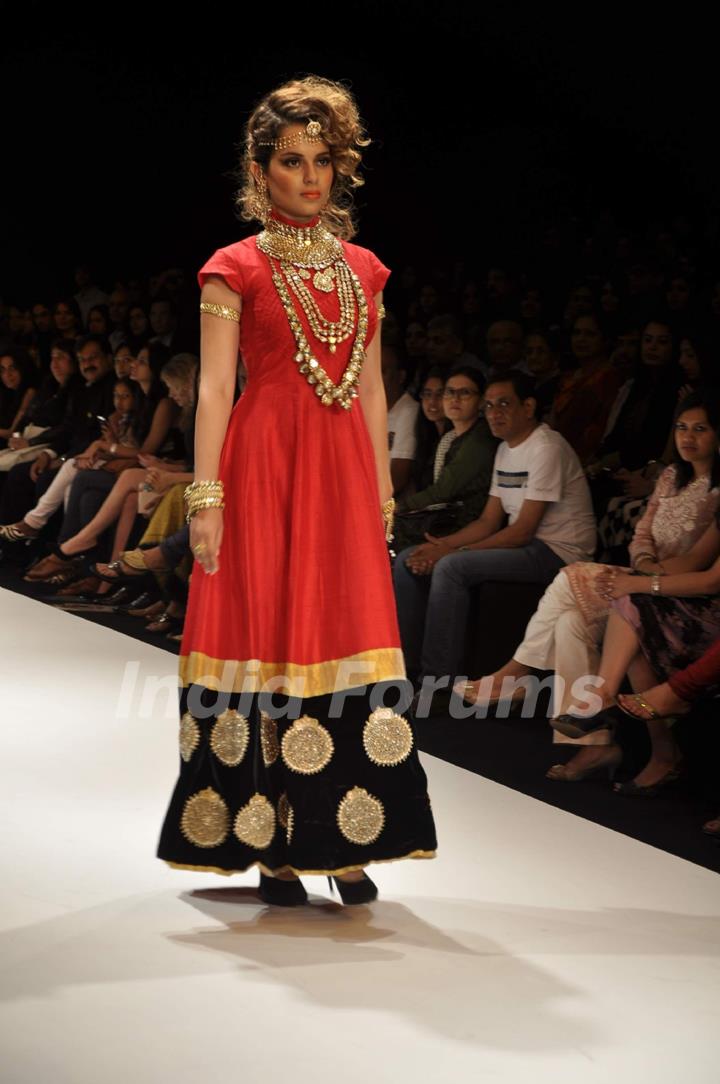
536 947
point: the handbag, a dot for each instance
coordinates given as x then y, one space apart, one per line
437 519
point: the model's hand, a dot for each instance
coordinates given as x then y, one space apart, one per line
206 531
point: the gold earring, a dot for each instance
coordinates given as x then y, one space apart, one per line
260 205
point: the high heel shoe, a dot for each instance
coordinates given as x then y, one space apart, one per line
281 893
559 772
573 727
631 789
352 892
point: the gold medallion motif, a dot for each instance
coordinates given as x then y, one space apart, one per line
230 737
189 736
205 818
307 746
387 737
360 816
290 822
324 280
282 809
269 739
255 822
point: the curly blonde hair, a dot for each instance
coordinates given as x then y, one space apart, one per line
296 102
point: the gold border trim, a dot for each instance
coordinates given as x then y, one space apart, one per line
313 679
300 872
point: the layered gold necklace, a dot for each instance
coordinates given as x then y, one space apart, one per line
293 252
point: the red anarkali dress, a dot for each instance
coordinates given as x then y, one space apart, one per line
302 604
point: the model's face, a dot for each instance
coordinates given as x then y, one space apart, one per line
461 399
656 345
431 399
122 398
300 177
123 361
538 355
695 439
586 340
506 414
61 365
9 373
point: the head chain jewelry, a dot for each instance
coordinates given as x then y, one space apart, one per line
311 133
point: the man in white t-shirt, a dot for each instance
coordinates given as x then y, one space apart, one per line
537 518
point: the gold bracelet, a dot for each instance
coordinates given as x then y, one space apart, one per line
381 313
388 514
225 311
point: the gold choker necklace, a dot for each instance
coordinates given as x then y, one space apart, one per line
304 246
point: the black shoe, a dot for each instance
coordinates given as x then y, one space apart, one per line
281 893
572 727
631 789
355 891
120 598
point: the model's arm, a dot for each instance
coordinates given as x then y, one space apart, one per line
374 407
218 365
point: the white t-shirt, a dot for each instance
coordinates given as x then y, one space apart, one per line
545 468
401 427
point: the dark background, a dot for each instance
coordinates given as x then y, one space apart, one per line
120 125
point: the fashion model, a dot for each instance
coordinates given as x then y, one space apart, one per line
289 760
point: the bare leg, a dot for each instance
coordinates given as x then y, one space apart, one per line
128 515
107 514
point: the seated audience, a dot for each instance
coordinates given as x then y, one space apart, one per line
462 469
538 517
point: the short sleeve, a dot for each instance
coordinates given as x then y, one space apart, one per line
545 477
223 262
379 273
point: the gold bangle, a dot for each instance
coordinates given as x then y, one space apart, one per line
381 313
225 311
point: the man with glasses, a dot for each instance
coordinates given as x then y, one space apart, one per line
537 518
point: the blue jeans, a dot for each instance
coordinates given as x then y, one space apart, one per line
433 610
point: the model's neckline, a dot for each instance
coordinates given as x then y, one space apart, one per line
275 214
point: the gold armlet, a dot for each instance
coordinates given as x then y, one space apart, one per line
225 311
381 314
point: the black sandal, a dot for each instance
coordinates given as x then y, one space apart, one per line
573 727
